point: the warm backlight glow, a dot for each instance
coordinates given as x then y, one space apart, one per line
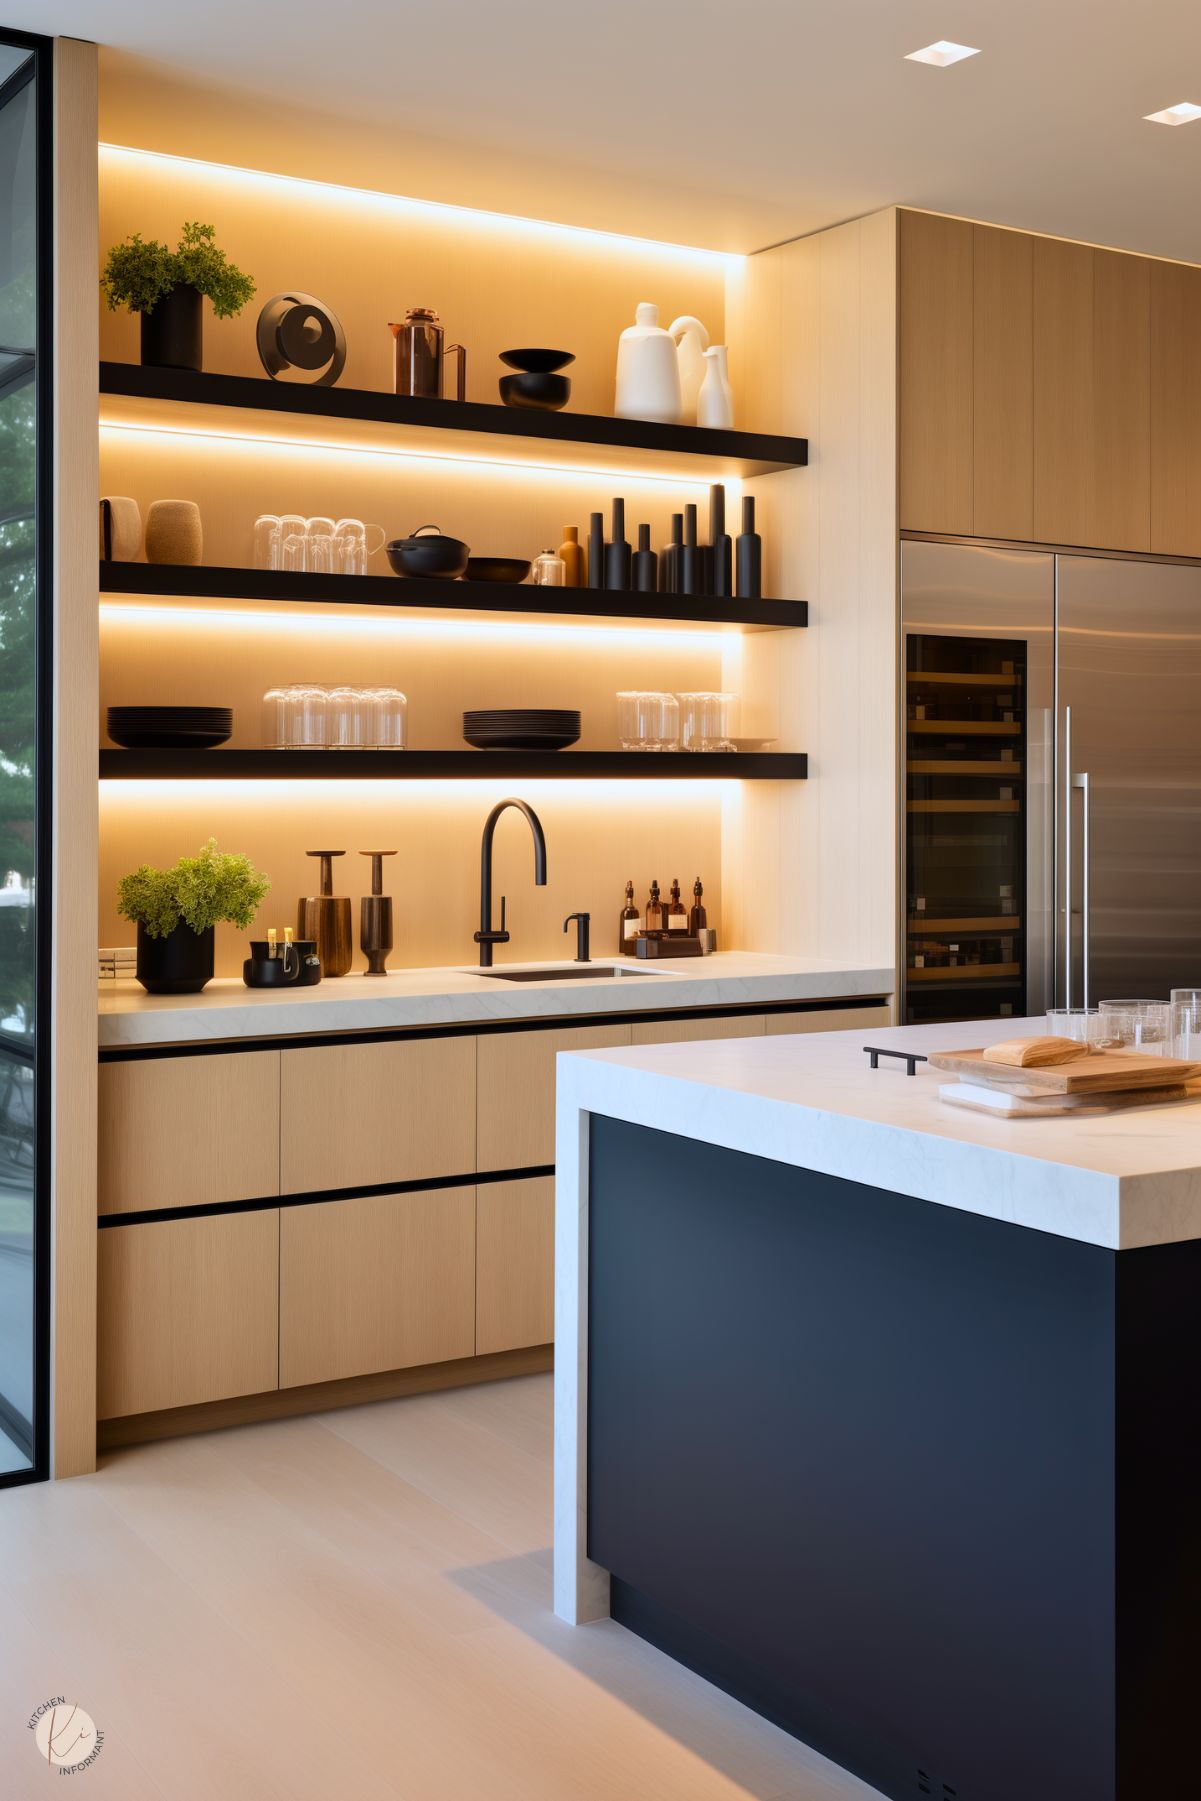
1183 113
942 54
509 224
170 795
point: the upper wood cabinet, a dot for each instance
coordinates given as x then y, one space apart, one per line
183 1131
360 1115
1002 383
936 383
1175 409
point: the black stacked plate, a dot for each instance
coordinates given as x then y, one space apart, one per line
170 728
521 728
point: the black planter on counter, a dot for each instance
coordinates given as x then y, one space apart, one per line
173 334
180 963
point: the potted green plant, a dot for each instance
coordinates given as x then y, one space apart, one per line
167 288
175 911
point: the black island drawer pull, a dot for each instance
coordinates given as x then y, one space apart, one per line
911 1059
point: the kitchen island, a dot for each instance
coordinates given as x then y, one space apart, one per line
885 1415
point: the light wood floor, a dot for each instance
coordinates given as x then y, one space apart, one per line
351 1606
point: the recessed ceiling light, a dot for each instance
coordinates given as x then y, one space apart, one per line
942 54
1175 115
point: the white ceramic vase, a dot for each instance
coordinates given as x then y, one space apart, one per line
715 403
691 340
648 370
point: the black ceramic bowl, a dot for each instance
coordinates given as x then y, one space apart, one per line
497 569
434 554
537 362
537 390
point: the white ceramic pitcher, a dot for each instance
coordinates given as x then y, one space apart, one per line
648 370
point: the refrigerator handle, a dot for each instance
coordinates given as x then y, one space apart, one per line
1081 781
1068 785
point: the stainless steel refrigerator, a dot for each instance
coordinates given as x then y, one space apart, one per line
1051 774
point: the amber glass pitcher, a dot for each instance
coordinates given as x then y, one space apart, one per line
419 354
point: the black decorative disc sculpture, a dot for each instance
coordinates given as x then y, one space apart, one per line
296 331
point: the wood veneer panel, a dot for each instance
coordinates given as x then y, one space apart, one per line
1003 383
185 1131
1175 409
379 1282
847 1019
517 1090
515 1264
1122 380
936 430
358 1115
188 1311
1065 420
695 1031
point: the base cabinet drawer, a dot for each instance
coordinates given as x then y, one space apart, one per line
840 1019
187 1311
517 1090
515 1264
376 1282
187 1131
695 1031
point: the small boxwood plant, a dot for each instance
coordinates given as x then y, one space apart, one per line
200 891
139 271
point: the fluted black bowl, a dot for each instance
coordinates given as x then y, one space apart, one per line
536 390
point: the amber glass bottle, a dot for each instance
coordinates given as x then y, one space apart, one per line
656 919
630 923
677 912
698 919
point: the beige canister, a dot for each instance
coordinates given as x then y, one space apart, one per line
173 532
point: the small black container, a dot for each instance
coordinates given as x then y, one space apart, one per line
535 390
173 334
180 963
419 556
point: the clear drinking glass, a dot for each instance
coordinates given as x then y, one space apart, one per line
647 720
305 716
705 721
1186 1005
1138 1025
1083 1024
293 543
385 719
320 553
276 712
344 719
352 545
266 541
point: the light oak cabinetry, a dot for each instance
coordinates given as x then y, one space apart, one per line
188 1131
188 1311
846 1019
517 1090
1049 391
692 1031
515 1264
376 1282
358 1115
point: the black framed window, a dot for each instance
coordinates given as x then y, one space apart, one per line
25 796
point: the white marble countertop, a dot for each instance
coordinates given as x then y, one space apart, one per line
1121 1180
431 997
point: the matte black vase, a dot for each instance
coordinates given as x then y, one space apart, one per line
180 963
173 334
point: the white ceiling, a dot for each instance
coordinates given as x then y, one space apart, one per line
729 126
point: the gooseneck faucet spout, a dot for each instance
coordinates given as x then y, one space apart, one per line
486 937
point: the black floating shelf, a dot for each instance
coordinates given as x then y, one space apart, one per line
187 582
410 765
742 453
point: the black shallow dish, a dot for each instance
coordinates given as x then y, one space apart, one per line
496 569
148 738
537 362
536 392
546 719
520 740
167 715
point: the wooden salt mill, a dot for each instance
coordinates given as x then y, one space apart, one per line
375 916
326 917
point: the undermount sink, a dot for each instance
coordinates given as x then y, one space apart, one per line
571 972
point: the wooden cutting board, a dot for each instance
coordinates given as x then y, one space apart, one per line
1101 1072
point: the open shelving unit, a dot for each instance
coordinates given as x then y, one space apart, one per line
410 765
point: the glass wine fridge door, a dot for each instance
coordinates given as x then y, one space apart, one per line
978 629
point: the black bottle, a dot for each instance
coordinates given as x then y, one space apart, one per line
672 557
656 920
596 551
750 554
617 553
689 562
630 923
698 919
721 549
646 563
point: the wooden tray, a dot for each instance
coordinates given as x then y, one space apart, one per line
1101 1072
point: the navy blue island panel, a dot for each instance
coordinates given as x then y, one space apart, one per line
920 1486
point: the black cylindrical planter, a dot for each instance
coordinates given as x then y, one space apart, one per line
180 963
173 334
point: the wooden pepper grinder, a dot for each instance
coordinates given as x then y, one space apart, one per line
326 917
375 916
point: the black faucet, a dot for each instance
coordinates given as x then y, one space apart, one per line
486 937
582 923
